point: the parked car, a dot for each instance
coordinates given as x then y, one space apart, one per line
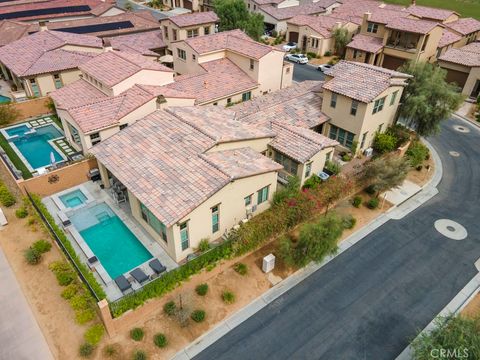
289 46
298 58
324 67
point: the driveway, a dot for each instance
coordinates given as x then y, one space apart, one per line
306 72
370 301
20 335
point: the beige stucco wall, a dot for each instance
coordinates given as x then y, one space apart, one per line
472 79
243 63
182 32
235 98
46 82
270 70
177 102
88 49
318 163
144 77
113 11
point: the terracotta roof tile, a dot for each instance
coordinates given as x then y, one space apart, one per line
291 11
468 55
198 18
366 43
464 26
142 43
362 82
321 24
11 31
448 37
77 94
412 25
430 12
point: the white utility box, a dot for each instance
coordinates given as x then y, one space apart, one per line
268 263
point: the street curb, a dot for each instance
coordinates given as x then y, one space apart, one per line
428 191
461 117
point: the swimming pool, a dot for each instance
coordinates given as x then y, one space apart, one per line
34 146
115 246
4 99
73 199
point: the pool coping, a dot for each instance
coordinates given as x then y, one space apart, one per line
9 138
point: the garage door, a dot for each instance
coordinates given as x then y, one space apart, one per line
392 63
458 77
293 36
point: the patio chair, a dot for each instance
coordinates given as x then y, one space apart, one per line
157 266
123 284
139 275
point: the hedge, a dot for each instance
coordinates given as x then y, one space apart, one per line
12 155
85 272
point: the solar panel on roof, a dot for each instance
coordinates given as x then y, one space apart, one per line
41 12
87 29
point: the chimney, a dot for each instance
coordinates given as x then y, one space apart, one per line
160 101
367 15
107 46
42 25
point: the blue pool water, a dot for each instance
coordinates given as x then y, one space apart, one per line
73 199
4 99
115 246
35 147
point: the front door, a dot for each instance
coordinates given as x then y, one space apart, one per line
476 90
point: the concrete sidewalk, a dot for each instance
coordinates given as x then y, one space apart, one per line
20 335
397 212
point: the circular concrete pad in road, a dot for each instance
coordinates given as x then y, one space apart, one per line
451 229
454 153
461 129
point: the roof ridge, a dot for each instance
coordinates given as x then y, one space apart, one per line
293 128
191 124
205 158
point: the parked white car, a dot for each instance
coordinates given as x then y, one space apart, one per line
324 67
289 46
297 58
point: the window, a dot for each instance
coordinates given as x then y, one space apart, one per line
252 64
75 135
342 136
314 43
308 170
184 236
34 86
192 33
262 195
229 101
246 96
152 220
254 7
248 6
372 28
355 53
380 128
165 31
288 164
58 81
215 219
425 42
194 57
353 109
215 103
333 100
123 126
394 97
364 137
248 200
95 138
378 105
174 34
206 30
182 54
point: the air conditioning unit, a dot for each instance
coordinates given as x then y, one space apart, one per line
368 152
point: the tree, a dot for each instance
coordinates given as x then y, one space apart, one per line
331 190
386 173
341 39
233 14
290 190
428 98
8 114
457 335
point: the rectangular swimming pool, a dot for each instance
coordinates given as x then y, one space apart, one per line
115 246
73 199
34 146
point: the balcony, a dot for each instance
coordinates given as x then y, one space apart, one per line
403 41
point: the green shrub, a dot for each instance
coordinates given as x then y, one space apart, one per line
31 221
198 316
137 334
384 143
42 246
347 157
333 167
416 153
79 302
328 53
94 334
139 355
228 297
169 308
370 190
86 350
63 272
6 197
357 201
241 268
160 340
400 132
202 289
349 222
111 350
312 182
311 55
32 256
204 245
84 316
21 213
70 291
65 278
372 203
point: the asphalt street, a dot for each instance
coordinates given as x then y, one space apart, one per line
306 72
369 302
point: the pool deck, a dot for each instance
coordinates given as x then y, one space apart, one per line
93 191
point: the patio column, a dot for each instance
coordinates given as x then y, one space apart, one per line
104 175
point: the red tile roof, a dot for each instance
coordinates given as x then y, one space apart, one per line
320 24
448 37
425 12
77 94
464 26
142 43
468 55
291 11
385 16
11 31
198 18
412 25
366 43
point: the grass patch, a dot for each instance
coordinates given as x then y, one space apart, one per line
12 155
466 8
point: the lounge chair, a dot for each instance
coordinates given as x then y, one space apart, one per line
123 283
157 266
139 275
